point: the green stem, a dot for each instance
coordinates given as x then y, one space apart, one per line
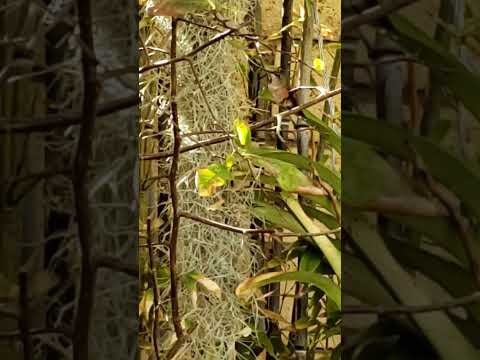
332 254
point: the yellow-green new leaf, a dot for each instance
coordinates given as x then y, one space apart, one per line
318 65
207 180
243 132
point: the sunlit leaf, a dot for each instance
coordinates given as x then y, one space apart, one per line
318 65
205 283
288 176
146 303
246 288
229 161
243 132
208 179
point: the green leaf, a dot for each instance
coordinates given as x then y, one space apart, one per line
328 220
303 163
288 176
330 177
463 83
360 282
330 251
448 274
310 260
264 340
443 166
229 161
331 136
323 283
266 94
243 132
208 179
437 327
367 176
277 217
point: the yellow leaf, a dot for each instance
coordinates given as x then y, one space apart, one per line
244 134
318 65
207 181
246 288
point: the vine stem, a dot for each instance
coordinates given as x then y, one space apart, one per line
177 141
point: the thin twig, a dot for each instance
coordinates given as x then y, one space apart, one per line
177 141
259 125
226 227
86 288
174 60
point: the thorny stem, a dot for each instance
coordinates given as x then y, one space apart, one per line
80 184
177 140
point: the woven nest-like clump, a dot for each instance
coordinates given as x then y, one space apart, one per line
224 257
